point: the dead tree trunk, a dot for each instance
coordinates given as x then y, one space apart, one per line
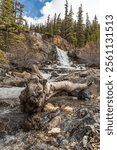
55 87
38 91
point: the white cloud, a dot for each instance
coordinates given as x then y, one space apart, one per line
57 6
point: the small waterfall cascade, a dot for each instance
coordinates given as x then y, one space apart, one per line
39 35
63 57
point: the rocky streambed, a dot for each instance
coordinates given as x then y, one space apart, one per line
67 123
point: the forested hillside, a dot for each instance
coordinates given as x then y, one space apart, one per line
77 32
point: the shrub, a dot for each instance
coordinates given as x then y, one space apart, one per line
3 57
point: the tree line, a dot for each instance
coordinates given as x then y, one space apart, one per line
11 23
74 31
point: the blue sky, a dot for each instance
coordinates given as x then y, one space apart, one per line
36 11
33 7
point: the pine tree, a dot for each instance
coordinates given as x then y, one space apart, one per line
80 28
66 20
95 31
49 31
62 34
19 13
8 24
75 41
58 25
7 21
55 25
87 29
26 27
74 32
0 7
69 33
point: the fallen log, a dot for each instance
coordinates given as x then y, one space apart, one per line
64 68
38 91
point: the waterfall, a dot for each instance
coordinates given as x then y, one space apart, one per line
63 57
39 35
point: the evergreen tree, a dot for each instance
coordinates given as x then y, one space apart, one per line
7 21
62 34
75 32
49 26
80 28
55 25
66 20
75 41
19 13
69 33
95 31
9 26
87 29
58 25
26 27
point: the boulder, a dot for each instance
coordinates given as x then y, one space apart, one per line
55 131
68 110
50 107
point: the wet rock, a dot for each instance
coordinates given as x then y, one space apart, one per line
84 74
55 131
39 147
55 122
68 110
76 147
84 94
54 74
54 148
4 68
50 108
2 72
73 54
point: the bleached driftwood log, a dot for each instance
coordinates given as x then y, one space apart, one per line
38 90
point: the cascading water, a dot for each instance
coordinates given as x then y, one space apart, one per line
39 35
64 63
63 57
